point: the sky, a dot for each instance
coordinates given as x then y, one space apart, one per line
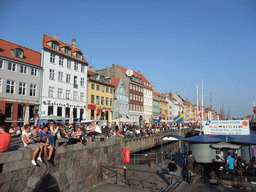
175 44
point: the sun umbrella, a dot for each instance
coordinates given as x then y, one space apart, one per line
26 118
71 120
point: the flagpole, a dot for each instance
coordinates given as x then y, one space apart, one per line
202 107
196 101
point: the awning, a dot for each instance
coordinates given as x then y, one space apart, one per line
246 140
203 139
225 145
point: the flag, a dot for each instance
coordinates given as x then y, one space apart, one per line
159 120
199 115
179 118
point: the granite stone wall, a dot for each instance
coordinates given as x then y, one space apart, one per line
77 167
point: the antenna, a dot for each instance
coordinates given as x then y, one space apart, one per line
91 60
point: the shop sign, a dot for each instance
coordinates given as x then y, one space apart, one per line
228 127
51 103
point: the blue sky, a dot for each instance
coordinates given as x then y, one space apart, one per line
173 43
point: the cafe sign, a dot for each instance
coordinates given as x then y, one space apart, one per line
51 103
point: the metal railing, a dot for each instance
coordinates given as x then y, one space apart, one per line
137 159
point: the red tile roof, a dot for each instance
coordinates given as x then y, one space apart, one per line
144 80
172 98
98 81
115 82
30 56
123 70
47 39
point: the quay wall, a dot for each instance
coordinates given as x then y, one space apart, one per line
77 167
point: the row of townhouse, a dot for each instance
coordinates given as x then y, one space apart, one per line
59 82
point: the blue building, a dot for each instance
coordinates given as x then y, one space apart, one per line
121 102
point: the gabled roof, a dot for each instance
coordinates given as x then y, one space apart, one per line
29 56
172 98
157 94
47 39
144 80
89 73
123 70
115 82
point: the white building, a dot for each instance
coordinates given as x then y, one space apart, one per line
64 86
173 108
148 99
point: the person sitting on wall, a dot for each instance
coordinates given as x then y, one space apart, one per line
44 139
29 141
96 130
5 139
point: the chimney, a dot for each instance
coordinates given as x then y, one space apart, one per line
153 87
113 66
91 68
73 44
139 72
56 37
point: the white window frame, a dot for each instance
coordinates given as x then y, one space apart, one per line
82 82
61 61
82 97
69 64
75 96
33 88
76 66
51 92
51 74
82 68
33 72
68 94
13 67
60 76
68 78
23 86
23 69
1 84
60 93
1 64
11 85
130 86
52 58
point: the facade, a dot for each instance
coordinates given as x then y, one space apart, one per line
100 97
121 102
148 99
20 81
173 108
64 85
163 106
133 86
156 107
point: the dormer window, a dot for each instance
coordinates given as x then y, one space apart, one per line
55 46
67 51
79 55
18 53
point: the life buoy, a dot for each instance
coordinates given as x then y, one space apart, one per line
126 156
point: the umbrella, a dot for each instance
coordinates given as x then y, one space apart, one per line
172 137
71 120
53 117
123 120
26 118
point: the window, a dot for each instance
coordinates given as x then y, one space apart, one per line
52 58
76 66
92 99
131 107
68 94
102 100
75 96
107 89
51 91
67 112
20 112
32 91
60 76
8 111
34 72
75 82
133 87
97 100
18 53
67 51
102 88
22 88
82 68
11 67
130 96
111 101
59 111
134 97
23 69
78 55
50 110
107 100
60 92
61 61
1 64
68 64
81 97
10 86
97 87
82 82
55 46
92 86
68 78
51 74
130 86
111 90
1 84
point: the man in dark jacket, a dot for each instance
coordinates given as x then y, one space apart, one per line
172 167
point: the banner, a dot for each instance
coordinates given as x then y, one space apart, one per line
227 127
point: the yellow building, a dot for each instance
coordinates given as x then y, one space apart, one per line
100 97
163 106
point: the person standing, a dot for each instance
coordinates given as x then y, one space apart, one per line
5 139
2 118
190 167
231 163
172 167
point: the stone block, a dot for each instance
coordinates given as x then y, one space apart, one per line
56 175
91 180
52 169
5 186
60 150
32 181
18 185
71 155
70 173
88 171
27 189
27 152
40 171
90 158
10 156
63 179
17 174
5 177
62 167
